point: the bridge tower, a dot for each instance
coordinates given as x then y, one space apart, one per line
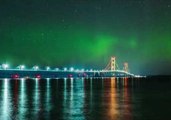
113 63
126 69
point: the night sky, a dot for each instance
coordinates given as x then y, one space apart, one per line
85 33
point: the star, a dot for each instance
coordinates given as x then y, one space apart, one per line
42 34
75 11
98 8
63 20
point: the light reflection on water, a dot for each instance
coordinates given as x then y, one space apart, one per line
22 99
48 95
73 99
5 101
113 112
36 98
79 99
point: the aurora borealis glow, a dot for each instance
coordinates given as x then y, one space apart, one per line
85 33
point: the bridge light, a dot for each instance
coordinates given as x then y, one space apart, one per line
38 76
82 70
65 69
21 67
57 69
5 66
15 76
71 69
47 68
70 75
36 67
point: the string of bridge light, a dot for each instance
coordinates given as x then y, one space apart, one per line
36 68
23 67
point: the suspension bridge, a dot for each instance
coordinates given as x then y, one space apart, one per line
111 70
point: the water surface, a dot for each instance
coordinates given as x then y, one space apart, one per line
85 99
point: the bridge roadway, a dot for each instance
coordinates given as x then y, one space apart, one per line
16 73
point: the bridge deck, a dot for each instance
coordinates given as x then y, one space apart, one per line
15 73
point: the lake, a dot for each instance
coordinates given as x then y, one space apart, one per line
86 99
